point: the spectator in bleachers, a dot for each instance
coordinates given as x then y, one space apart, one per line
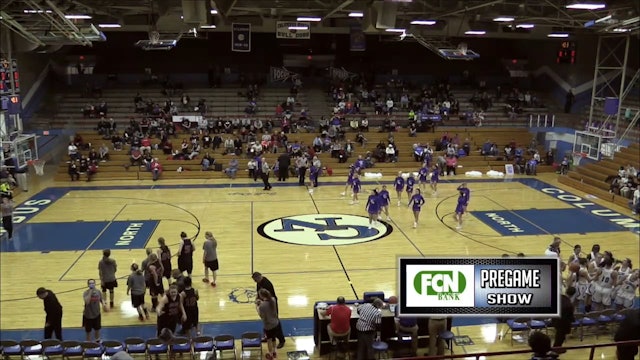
156 169
73 171
72 151
627 189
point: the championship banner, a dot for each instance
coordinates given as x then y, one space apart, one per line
358 41
340 74
241 37
293 30
480 287
281 74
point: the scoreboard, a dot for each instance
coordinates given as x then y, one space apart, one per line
9 75
494 287
567 53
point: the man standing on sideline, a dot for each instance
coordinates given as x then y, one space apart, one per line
265 171
302 164
264 283
53 309
368 327
629 330
107 268
210 257
91 316
563 323
7 215
437 325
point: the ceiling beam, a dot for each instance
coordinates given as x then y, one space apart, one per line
467 9
229 8
338 8
16 27
69 23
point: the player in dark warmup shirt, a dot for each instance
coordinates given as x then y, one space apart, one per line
53 309
185 254
170 310
190 299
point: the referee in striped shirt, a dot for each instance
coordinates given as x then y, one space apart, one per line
368 327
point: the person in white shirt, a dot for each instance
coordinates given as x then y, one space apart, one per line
554 248
635 203
72 150
390 106
391 153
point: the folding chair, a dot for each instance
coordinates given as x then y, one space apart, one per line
71 349
31 348
250 341
590 322
10 348
520 325
202 344
92 350
51 347
135 345
156 347
225 342
112 347
180 345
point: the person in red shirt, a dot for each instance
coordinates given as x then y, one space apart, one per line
340 325
145 144
156 169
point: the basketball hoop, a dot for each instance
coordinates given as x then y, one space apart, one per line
462 48
577 157
38 165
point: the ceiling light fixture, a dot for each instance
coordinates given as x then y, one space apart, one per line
32 11
298 28
621 30
395 30
525 26
356 14
558 35
214 11
504 19
207 27
78 17
423 22
475 32
586 6
109 26
311 18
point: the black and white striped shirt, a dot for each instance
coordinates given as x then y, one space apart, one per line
370 318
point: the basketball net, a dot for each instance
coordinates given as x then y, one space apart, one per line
577 157
462 48
38 166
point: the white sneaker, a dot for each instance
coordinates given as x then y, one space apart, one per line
388 218
459 227
351 202
415 225
369 227
398 203
634 213
342 194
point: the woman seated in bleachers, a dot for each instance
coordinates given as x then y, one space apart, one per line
207 162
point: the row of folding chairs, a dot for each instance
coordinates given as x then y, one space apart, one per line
250 341
598 321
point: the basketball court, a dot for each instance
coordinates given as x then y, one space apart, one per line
312 246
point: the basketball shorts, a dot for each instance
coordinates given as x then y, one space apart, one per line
602 295
109 285
625 299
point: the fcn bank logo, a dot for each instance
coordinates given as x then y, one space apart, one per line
445 285
439 286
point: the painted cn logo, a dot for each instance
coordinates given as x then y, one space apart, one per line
323 229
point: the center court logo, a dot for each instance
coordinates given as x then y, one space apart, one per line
445 285
324 229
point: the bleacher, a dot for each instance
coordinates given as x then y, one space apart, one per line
226 102
591 178
496 115
114 169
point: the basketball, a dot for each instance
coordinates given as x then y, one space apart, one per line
574 267
393 300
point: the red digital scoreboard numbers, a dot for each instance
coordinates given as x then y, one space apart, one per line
9 74
567 53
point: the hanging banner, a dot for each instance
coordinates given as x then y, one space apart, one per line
340 73
357 38
281 74
241 38
293 30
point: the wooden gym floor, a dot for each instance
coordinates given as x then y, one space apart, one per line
63 231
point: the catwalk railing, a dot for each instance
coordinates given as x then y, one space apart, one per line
497 354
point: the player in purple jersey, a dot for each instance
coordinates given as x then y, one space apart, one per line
352 171
398 184
463 201
356 186
417 201
373 207
435 177
423 173
314 173
385 199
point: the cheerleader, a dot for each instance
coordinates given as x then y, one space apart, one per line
461 207
398 183
314 173
385 200
435 177
417 201
463 187
422 176
373 207
352 172
356 186
411 182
